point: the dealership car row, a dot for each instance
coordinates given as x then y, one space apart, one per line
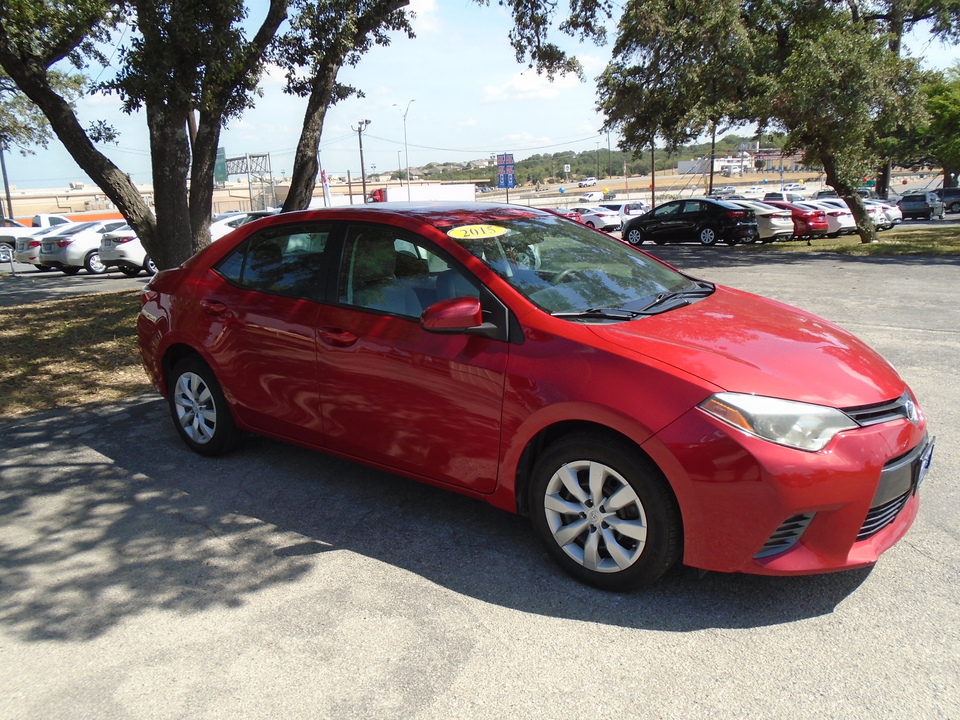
785 214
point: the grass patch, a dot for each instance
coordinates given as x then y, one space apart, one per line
900 241
70 351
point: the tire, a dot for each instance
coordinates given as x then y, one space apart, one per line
635 236
955 207
149 266
707 235
589 223
70 270
6 253
621 549
929 215
93 264
129 271
199 410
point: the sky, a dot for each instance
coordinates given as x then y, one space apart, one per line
464 95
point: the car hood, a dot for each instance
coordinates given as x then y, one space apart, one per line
745 343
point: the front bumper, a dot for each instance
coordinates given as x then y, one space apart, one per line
739 493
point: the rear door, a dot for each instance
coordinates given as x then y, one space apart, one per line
261 333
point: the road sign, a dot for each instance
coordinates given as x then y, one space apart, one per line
506 177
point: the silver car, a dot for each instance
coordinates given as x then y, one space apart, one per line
77 247
27 247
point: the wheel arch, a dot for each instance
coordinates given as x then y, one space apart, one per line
551 433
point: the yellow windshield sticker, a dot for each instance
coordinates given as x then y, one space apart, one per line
469 232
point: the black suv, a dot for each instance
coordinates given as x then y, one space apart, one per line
950 197
701 219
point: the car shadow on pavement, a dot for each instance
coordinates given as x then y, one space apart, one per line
105 514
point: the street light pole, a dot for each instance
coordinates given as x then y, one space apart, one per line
361 126
405 153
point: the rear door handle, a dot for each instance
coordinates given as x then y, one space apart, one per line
337 337
212 307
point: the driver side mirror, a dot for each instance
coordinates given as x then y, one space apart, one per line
460 315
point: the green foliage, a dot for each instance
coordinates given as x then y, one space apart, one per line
22 124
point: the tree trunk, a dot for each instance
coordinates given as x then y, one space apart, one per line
847 191
170 160
202 177
305 166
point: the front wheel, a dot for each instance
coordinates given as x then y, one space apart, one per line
707 236
6 252
604 512
199 409
149 266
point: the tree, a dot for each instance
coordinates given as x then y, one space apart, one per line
941 136
829 75
323 38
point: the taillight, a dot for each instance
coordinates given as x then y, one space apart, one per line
33 244
121 240
836 213
734 214
63 243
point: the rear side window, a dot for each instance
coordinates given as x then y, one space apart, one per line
289 260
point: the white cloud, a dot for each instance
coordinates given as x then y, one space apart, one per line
528 86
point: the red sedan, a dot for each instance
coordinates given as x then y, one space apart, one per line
639 416
806 222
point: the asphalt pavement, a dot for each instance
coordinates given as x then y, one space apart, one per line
142 581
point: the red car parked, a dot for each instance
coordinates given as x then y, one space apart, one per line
639 416
806 223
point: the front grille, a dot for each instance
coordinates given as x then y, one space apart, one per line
881 516
902 407
785 536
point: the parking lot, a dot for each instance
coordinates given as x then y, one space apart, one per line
142 581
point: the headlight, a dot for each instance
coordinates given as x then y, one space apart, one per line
794 424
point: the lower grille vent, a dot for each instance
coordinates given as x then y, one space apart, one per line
882 515
785 536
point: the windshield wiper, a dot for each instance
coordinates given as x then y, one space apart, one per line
668 298
610 313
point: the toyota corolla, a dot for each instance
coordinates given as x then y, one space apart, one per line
639 416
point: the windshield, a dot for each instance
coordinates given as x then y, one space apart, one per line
565 268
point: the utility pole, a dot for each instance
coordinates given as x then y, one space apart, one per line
361 126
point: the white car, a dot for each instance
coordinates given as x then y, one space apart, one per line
76 247
839 219
229 222
627 210
591 197
773 223
754 190
892 213
588 182
794 187
599 218
875 212
121 248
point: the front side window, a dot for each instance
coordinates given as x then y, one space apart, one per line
284 260
666 210
393 271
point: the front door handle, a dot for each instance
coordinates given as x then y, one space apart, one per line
337 337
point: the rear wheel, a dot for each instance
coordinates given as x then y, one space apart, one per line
955 207
129 271
93 264
635 236
707 235
604 512
6 252
150 266
199 409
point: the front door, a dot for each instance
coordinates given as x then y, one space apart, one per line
393 393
